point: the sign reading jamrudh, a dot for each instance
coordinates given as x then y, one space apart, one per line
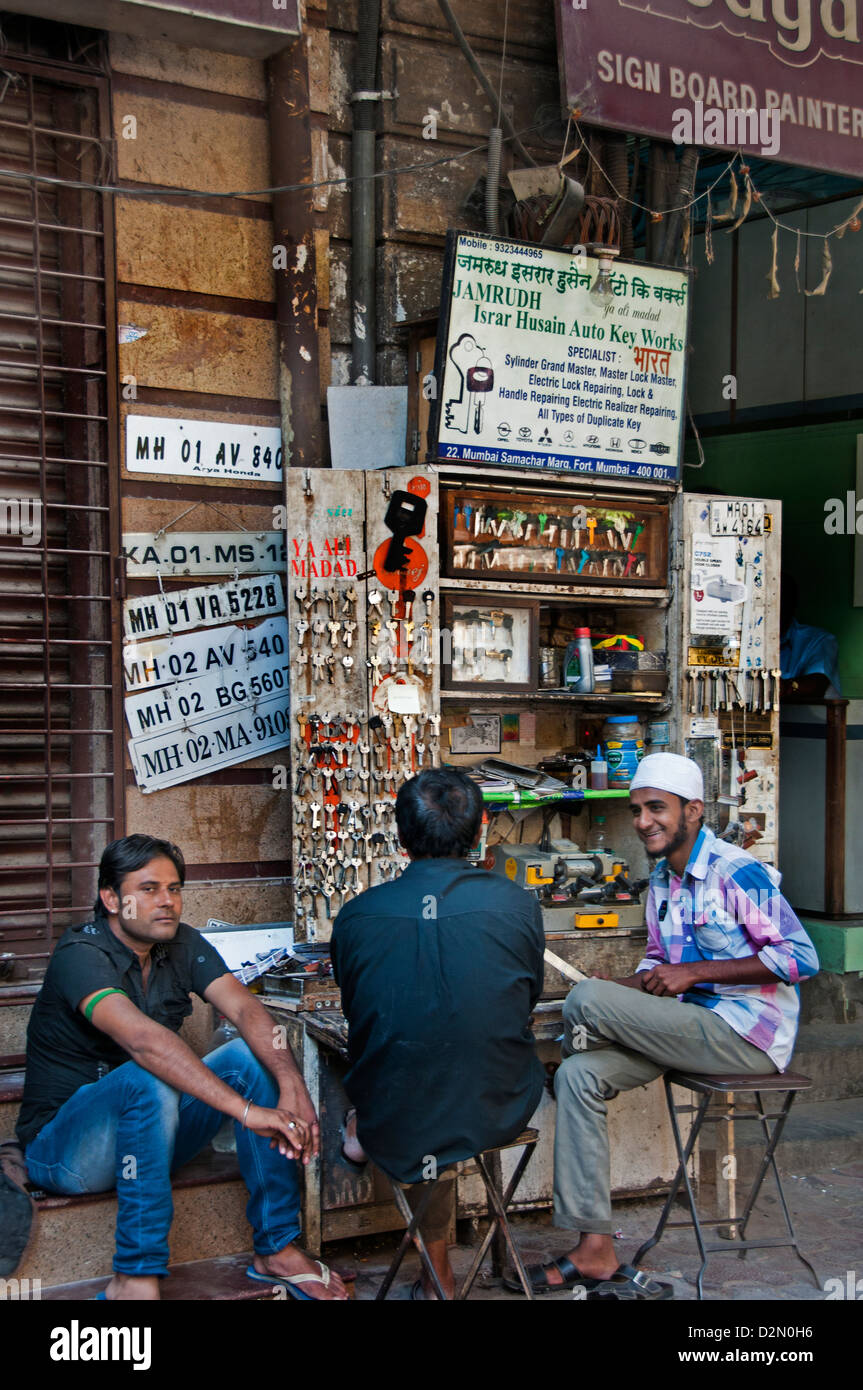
547 359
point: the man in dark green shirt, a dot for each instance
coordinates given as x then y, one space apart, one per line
439 972
113 1098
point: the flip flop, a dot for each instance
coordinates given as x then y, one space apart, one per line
630 1285
538 1278
292 1282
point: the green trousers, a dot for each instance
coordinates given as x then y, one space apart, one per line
617 1038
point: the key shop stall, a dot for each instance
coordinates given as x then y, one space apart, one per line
537 601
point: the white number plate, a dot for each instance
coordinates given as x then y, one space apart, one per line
735 516
165 759
158 615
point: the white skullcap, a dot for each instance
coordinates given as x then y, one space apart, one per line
669 772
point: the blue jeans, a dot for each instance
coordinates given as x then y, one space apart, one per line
132 1131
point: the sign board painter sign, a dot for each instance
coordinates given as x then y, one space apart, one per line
166 758
537 369
173 553
203 449
182 704
158 615
209 654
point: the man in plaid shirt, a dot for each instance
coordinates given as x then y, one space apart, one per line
714 992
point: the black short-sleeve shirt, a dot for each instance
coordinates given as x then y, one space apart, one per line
64 1051
439 972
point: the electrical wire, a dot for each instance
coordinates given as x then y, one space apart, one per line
502 60
157 191
684 207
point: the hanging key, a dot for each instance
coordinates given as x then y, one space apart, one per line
302 628
334 628
330 662
349 630
350 602
315 808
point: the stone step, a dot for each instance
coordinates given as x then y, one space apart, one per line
198 1281
73 1237
832 1055
832 998
222 1279
818 1136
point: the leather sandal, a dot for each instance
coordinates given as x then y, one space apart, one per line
630 1285
538 1278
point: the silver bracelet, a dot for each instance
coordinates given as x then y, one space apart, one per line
245 1113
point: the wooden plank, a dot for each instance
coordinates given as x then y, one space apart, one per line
179 145
194 350
424 202
409 285
215 823
326 550
528 22
203 251
192 67
433 77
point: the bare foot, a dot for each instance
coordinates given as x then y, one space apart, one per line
352 1148
594 1256
133 1288
293 1261
439 1256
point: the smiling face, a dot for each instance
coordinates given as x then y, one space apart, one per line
148 907
665 824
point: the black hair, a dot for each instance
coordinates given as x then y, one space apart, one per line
123 857
439 814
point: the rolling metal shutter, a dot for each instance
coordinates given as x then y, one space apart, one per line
60 684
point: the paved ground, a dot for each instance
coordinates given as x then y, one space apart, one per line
827 1211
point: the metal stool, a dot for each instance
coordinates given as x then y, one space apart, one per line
488 1166
719 1085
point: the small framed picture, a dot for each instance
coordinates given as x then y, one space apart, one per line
490 646
481 735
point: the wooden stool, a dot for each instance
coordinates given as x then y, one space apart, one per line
498 1201
718 1085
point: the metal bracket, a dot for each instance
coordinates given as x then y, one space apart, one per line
374 96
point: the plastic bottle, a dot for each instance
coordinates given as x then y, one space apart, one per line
579 663
599 772
597 840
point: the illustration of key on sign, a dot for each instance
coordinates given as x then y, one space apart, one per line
405 516
479 380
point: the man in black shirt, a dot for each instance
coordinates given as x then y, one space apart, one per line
439 972
113 1097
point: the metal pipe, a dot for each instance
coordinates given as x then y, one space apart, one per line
363 280
483 81
495 138
295 273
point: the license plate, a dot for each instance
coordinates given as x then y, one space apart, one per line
736 517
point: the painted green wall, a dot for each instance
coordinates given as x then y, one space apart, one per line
803 467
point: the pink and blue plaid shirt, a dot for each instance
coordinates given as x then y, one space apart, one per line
726 906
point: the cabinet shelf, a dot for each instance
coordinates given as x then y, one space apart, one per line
615 697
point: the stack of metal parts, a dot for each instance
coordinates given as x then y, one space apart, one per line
304 982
